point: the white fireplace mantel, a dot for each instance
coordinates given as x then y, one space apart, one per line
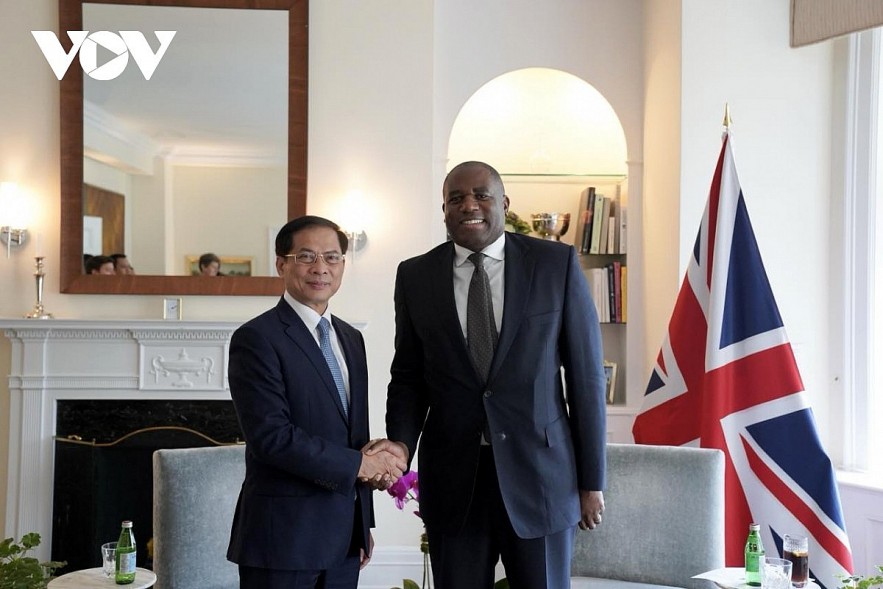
83 359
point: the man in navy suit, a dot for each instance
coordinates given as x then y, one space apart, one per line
512 452
299 382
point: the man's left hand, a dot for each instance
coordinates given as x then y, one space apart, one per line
591 507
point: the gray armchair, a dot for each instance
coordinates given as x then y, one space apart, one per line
663 521
194 496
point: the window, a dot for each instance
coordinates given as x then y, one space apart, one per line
862 255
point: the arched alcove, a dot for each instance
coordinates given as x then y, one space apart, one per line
539 121
556 140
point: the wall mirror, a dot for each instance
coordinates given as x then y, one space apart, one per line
209 154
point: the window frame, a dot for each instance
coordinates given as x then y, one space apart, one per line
859 255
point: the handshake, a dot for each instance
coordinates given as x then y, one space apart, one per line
383 463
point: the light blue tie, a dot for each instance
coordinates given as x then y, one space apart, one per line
325 344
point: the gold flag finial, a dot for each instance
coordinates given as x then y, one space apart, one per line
727 120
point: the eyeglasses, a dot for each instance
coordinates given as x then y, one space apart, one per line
308 258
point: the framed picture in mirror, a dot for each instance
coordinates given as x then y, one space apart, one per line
230 265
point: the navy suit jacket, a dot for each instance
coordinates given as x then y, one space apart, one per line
300 496
548 439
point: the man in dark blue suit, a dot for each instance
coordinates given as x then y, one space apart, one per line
299 381
512 452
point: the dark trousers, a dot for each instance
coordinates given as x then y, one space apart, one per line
466 560
345 576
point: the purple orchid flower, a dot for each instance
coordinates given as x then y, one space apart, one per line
405 489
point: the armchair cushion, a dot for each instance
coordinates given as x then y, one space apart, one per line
663 520
194 496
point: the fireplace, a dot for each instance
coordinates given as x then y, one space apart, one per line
68 375
103 467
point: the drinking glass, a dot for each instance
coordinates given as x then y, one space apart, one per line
796 549
775 573
108 558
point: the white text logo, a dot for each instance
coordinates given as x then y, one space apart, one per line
120 45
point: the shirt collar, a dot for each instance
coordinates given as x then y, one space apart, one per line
306 314
496 250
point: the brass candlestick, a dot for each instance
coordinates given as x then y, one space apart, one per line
39 312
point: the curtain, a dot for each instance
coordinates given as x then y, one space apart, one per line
816 20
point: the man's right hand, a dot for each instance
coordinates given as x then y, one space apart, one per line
381 468
383 444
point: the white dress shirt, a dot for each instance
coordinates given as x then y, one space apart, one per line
311 320
494 264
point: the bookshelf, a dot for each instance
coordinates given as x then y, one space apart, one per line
564 193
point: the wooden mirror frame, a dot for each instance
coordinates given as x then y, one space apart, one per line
70 18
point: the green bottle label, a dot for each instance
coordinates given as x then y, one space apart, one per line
753 561
127 563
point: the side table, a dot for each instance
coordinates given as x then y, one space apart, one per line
95 579
734 578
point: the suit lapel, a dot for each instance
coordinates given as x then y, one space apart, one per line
518 277
303 339
441 278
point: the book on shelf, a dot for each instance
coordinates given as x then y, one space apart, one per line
608 286
624 292
583 235
612 231
611 292
605 226
596 224
601 224
598 284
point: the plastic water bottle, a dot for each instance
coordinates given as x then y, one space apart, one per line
125 555
754 555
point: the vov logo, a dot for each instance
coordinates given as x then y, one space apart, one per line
127 42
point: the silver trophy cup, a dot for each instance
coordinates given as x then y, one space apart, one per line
550 225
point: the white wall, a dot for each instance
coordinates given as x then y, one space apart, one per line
737 52
386 82
246 198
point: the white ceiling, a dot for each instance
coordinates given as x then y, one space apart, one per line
220 91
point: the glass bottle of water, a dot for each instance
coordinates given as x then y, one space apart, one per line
125 555
754 555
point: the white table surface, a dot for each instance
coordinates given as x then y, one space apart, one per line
734 578
95 579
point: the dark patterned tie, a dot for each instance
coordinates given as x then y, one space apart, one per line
325 343
481 333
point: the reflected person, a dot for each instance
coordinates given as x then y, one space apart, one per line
121 264
100 265
209 265
299 381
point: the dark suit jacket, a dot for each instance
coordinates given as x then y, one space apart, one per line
300 496
546 443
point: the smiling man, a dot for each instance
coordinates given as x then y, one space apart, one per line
510 463
299 382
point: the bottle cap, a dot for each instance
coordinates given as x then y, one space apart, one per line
127 524
751 527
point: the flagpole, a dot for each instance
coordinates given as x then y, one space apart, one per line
727 120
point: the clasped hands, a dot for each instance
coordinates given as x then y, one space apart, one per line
383 463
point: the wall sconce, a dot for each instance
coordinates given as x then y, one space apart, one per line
353 218
13 231
357 240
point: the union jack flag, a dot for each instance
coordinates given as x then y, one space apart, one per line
726 378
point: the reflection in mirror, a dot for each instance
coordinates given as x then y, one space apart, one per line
201 163
207 155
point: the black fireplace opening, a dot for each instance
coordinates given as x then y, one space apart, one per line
104 468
